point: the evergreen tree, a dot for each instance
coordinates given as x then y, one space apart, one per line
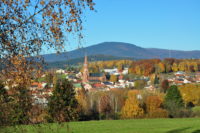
3 105
173 101
156 80
22 105
15 108
63 104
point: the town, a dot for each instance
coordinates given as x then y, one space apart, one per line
106 80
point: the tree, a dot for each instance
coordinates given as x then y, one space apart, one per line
83 104
152 103
105 105
63 104
165 85
156 80
190 94
132 107
49 78
154 107
175 67
161 67
173 101
140 84
113 78
15 108
4 108
22 105
30 25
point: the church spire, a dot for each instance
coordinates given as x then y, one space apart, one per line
85 70
86 60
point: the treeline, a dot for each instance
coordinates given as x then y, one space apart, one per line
98 66
150 66
79 61
176 102
18 107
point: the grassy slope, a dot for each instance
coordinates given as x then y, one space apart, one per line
126 126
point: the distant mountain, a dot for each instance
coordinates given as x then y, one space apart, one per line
120 49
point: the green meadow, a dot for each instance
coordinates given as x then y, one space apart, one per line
191 125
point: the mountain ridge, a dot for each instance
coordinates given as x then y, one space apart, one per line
121 49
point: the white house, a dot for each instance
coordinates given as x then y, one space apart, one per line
60 71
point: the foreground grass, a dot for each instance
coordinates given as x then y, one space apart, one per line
191 125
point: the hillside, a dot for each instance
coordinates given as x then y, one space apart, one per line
120 49
76 61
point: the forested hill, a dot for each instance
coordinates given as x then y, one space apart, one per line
120 49
77 61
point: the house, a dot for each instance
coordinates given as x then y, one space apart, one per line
87 87
125 71
60 71
36 86
111 71
180 74
197 77
77 86
97 77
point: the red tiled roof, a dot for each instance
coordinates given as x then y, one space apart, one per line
98 85
36 84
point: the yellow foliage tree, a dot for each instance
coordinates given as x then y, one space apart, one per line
174 67
132 108
113 78
190 93
161 67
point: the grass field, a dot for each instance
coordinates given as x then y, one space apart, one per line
120 126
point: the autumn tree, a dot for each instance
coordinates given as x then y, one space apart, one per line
29 26
140 84
49 77
132 108
105 105
83 104
154 107
175 67
190 94
165 85
161 67
113 78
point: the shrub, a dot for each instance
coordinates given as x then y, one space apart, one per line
158 113
196 111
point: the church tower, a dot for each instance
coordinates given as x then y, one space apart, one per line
85 71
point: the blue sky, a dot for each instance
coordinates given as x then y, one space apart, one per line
168 24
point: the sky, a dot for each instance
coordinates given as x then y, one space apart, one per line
167 24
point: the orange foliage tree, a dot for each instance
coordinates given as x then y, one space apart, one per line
27 26
153 107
